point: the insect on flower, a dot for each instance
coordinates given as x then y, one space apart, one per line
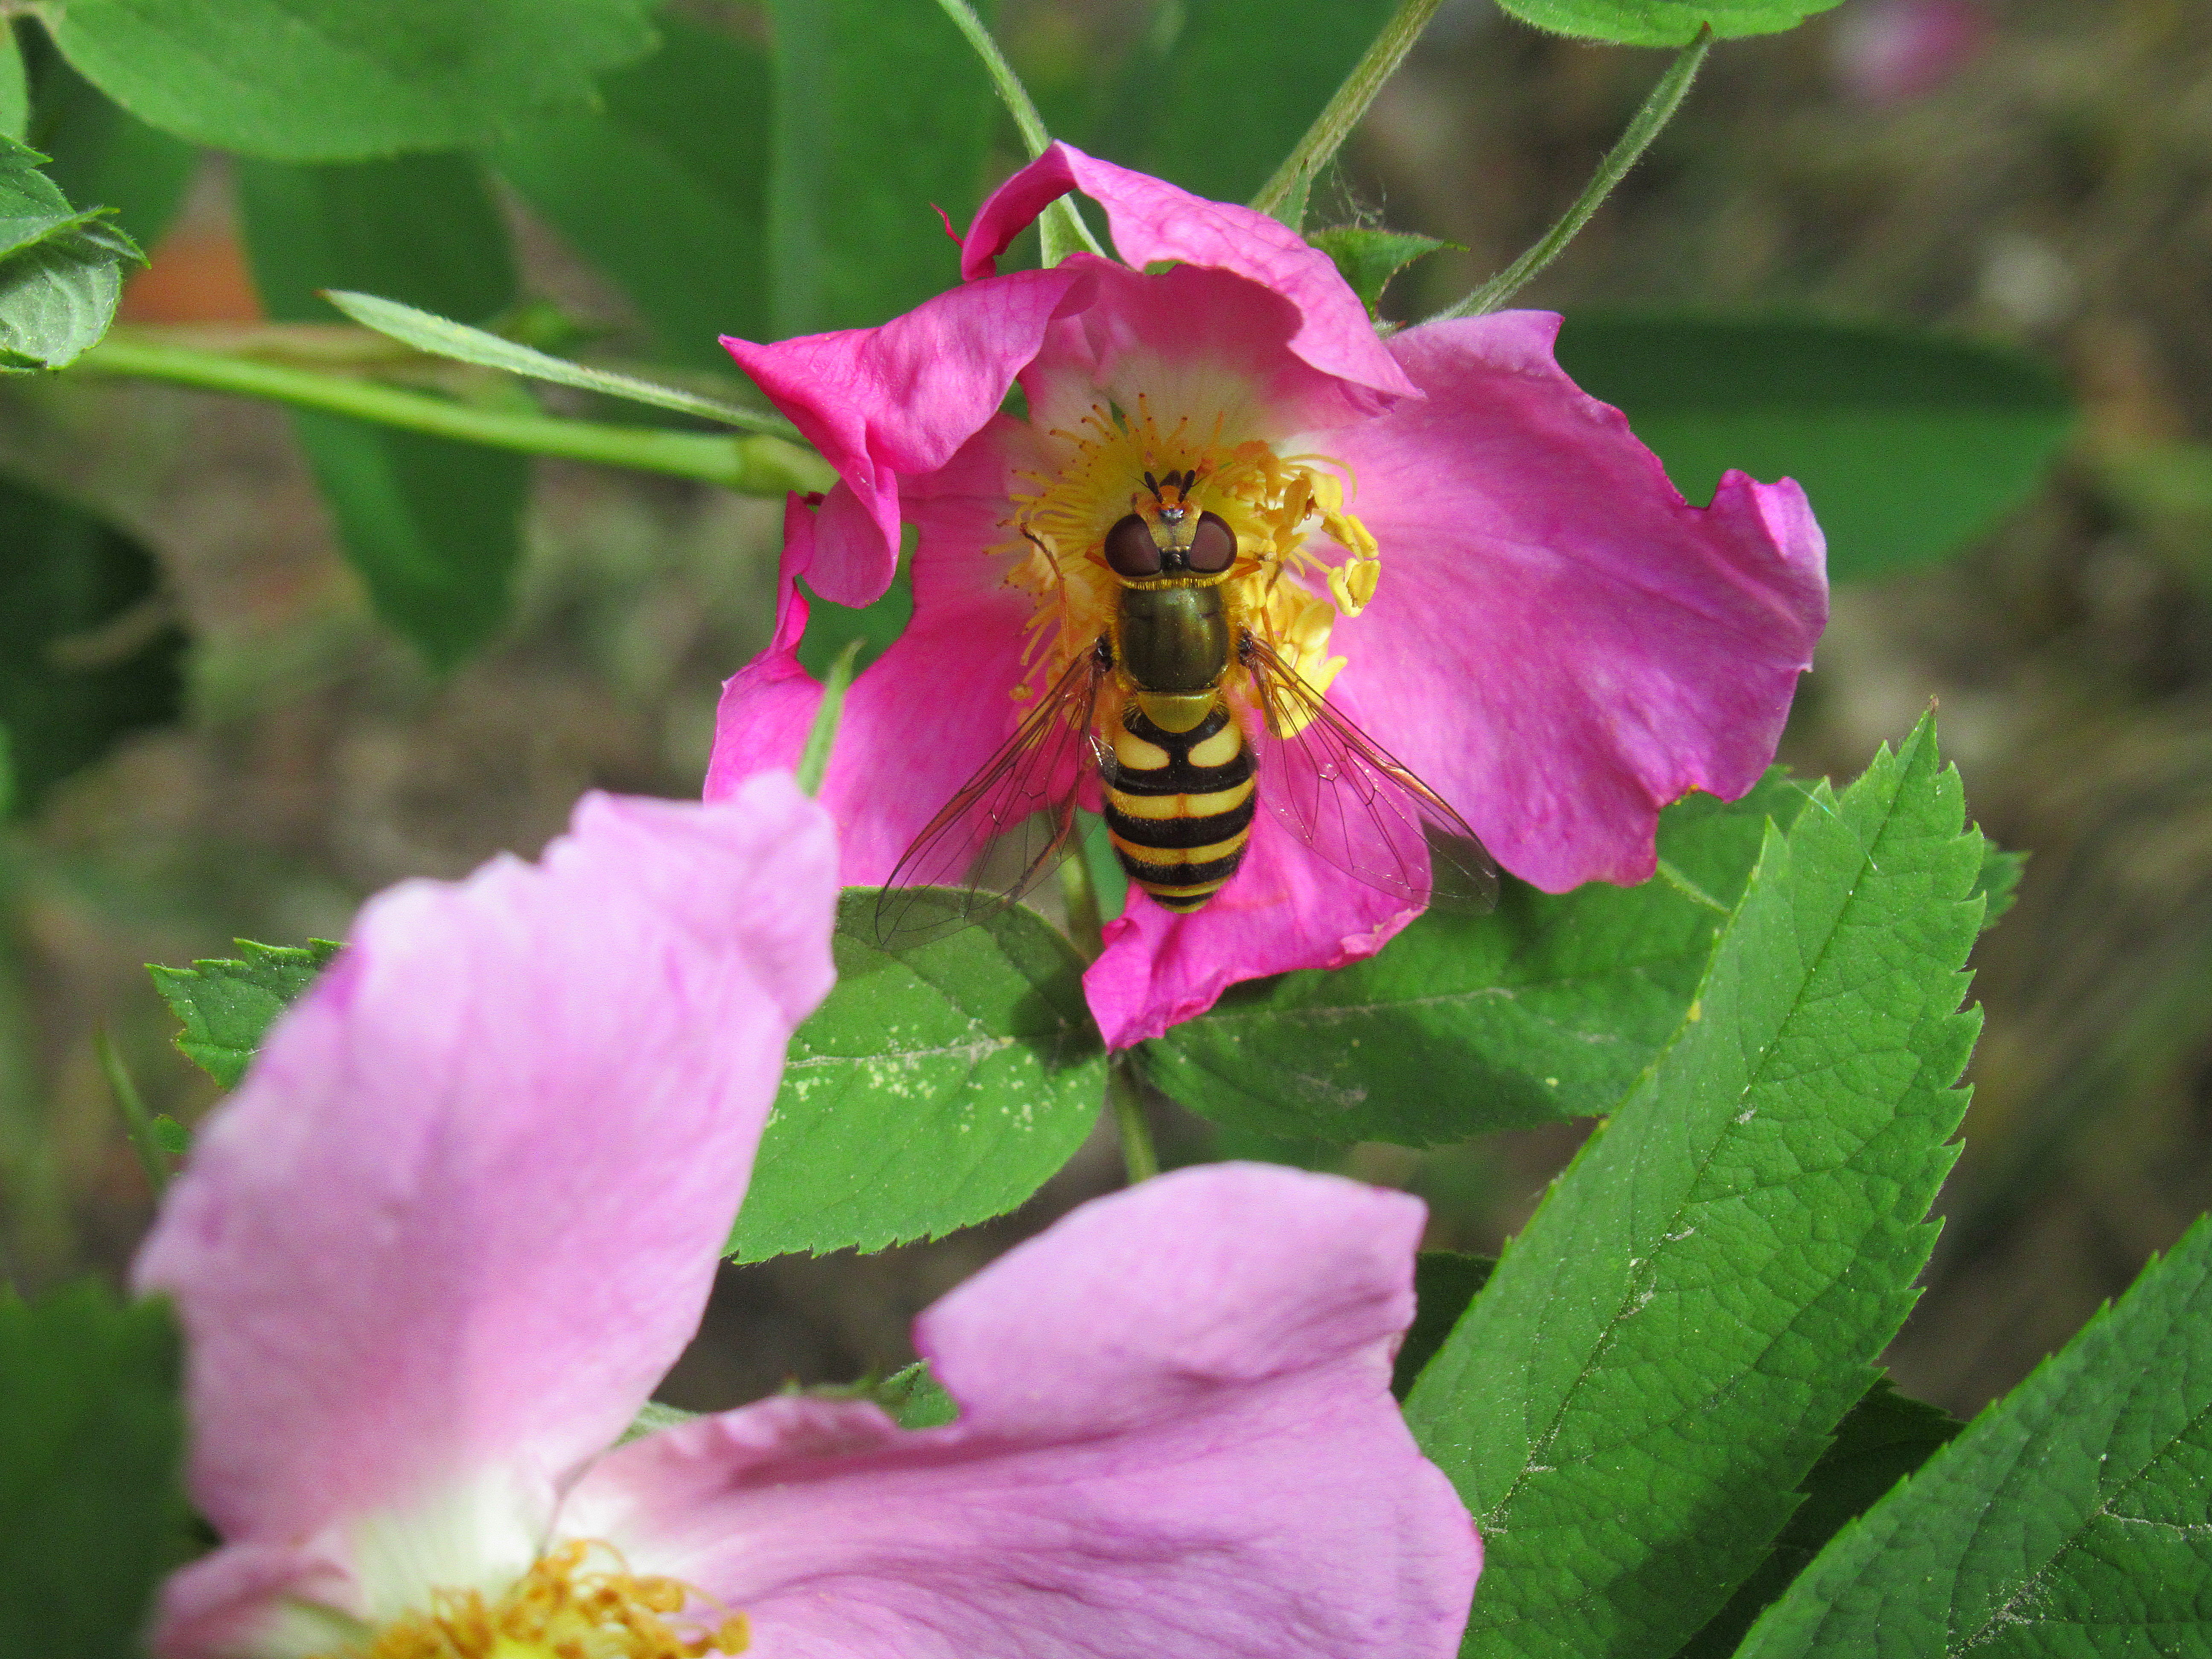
1186 713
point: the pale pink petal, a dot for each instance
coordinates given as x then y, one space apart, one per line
464 1211
1283 908
220 1604
1152 220
920 718
1560 644
882 402
1176 1439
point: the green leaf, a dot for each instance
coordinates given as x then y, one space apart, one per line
915 1398
14 86
1215 104
860 156
89 1447
171 1137
1887 1436
936 1088
2069 1518
2000 882
1444 1282
441 337
433 525
61 269
226 1005
88 651
102 154
831 627
338 81
1664 22
666 188
1631 1403
1910 444
1547 1008
1367 260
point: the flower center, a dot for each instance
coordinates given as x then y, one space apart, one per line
1279 506
577 1601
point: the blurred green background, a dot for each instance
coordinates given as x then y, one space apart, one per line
2031 173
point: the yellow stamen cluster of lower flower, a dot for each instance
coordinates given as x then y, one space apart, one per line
568 1605
1276 504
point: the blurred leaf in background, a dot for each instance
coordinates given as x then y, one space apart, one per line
337 80
101 152
1909 443
89 646
1664 22
433 525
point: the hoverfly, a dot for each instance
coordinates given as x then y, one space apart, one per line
1180 721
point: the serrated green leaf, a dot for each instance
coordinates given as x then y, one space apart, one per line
1887 1437
227 1005
1631 1403
433 525
664 189
1367 260
936 1088
61 269
860 156
2069 1519
88 652
1548 1008
1664 22
441 337
2000 883
91 1436
104 155
1909 443
915 1399
1444 1282
337 80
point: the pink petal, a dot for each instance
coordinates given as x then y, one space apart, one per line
1176 1439
883 403
920 718
218 1605
1560 644
464 1212
1152 220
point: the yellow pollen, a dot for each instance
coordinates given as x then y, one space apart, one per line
1280 506
578 1601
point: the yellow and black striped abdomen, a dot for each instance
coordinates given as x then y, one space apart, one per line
1179 804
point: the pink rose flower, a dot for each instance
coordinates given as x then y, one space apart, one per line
432 1257
1479 565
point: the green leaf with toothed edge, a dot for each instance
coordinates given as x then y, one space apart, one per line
939 1086
2069 1519
1630 1405
226 1005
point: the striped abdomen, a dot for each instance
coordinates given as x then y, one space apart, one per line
1179 804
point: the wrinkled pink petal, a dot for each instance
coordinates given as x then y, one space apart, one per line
1152 220
880 403
464 1212
1176 1439
1560 644
920 720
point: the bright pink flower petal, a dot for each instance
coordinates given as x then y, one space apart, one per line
1560 644
1152 220
919 720
1176 1439
882 402
464 1212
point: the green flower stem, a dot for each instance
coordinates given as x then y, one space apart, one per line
822 736
1139 1155
1658 109
749 466
1060 227
1283 195
137 1122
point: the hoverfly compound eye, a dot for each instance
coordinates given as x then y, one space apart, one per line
1213 547
1130 548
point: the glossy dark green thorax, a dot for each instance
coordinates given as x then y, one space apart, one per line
1174 638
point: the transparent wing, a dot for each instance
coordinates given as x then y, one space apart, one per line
1010 824
1353 803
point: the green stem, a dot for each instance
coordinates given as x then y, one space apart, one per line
1060 227
1658 109
137 1122
1086 924
814 758
1283 195
749 466
1139 1155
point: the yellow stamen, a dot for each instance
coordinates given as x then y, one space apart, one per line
579 1601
